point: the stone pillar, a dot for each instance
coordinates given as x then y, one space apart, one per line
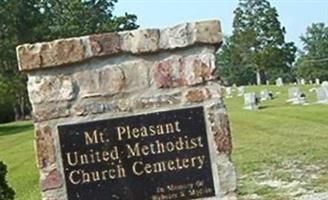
122 74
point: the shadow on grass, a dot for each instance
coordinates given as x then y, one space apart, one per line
11 129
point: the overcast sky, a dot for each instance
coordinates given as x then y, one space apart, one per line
295 15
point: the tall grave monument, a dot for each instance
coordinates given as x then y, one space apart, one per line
131 115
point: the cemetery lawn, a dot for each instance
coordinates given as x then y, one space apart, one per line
16 150
280 151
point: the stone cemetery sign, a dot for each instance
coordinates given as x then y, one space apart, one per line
131 115
125 154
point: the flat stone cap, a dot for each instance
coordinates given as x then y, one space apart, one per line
62 52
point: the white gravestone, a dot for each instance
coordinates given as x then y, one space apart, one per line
228 92
322 96
241 90
303 82
295 96
279 82
250 102
322 93
265 95
317 81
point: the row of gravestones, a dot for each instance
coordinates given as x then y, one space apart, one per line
229 91
280 83
251 99
295 96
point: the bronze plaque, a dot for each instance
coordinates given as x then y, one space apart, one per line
155 156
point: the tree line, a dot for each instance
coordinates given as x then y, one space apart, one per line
30 21
257 51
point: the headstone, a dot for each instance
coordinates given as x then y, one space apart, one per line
322 95
127 115
303 82
228 92
241 90
250 101
296 96
310 82
324 84
279 82
266 95
317 81
267 82
298 81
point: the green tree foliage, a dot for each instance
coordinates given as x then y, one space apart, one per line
313 61
82 17
258 42
233 72
6 193
30 21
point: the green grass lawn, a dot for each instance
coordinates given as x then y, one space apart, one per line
280 142
16 150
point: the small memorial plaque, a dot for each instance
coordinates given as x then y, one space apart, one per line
156 156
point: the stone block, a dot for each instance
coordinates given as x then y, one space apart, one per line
140 41
47 89
28 56
45 148
50 54
208 32
227 175
51 111
136 75
108 81
176 37
158 100
105 44
184 71
167 72
198 95
196 70
52 180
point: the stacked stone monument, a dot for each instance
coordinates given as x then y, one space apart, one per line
131 115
